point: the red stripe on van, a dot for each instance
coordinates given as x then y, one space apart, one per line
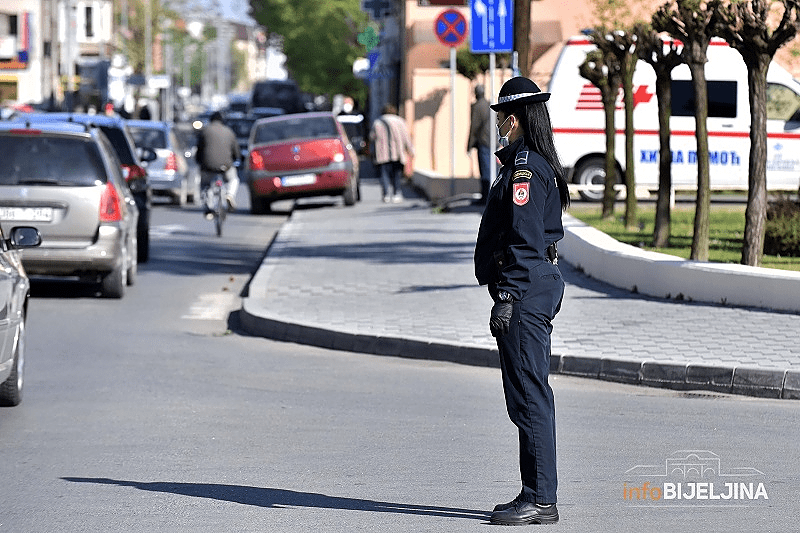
675 133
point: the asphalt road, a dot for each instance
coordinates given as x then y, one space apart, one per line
157 413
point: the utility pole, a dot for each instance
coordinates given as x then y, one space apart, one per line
70 30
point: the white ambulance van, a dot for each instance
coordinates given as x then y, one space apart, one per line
578 120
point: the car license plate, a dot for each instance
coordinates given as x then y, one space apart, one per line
299 179
27 214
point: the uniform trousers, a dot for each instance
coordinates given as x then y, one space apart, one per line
525 366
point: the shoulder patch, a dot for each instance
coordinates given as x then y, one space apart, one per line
521 175
522 192
522 158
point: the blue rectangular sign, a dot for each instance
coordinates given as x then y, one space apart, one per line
491 26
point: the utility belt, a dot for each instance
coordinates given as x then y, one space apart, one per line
550 255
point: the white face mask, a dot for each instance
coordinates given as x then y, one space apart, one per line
503 140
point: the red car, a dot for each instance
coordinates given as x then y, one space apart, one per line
298 156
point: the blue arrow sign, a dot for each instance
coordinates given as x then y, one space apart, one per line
492 26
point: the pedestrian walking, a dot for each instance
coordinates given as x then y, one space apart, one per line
479 138
515 255
392 150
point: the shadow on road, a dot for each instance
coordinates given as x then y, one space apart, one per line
269 497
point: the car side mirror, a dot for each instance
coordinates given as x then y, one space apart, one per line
25 237
147 154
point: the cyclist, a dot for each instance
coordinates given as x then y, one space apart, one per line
217 151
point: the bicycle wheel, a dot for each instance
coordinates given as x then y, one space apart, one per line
219 208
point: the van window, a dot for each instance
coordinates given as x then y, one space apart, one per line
276 94
721 98
782 102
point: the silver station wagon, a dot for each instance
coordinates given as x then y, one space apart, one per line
66 180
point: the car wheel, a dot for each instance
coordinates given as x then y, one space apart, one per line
259 206
113 283
132 271
591 172
143 246
11 388
351 192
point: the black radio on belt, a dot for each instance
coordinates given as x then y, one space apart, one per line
552 253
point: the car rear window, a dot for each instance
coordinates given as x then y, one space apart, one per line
151 138
240 126
296 128
43 160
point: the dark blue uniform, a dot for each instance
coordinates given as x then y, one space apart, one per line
521 220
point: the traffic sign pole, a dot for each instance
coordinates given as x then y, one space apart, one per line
492 31
492 124
452 120
451 30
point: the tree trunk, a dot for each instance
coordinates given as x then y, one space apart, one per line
630 179
609 194
663 215
522 32
756 213
700 241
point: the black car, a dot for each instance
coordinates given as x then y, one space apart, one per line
135 174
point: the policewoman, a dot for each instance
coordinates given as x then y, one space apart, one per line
515 256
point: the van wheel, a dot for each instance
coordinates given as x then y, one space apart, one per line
592 171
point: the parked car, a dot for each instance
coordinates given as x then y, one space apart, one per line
66 178
169 173
300 155
129 156
356 131
14 300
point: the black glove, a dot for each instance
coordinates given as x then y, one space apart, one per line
500 321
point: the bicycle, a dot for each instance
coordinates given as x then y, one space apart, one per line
215 201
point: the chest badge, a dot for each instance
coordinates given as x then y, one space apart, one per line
522 192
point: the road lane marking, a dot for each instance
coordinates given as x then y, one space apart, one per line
212 306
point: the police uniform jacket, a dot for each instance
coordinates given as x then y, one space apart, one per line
522 218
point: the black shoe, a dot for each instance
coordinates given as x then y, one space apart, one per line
523 513
509 505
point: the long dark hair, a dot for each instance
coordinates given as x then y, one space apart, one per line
539 137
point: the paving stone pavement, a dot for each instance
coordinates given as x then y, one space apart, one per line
397 279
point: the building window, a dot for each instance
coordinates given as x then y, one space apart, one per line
89 27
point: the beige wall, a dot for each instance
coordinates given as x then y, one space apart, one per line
426 79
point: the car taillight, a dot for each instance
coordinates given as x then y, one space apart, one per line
256 161
172 162
132 172
110 207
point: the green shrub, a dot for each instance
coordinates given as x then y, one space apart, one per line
783 228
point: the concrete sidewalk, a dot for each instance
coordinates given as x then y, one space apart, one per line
397 279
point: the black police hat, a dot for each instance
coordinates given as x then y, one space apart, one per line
518 92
